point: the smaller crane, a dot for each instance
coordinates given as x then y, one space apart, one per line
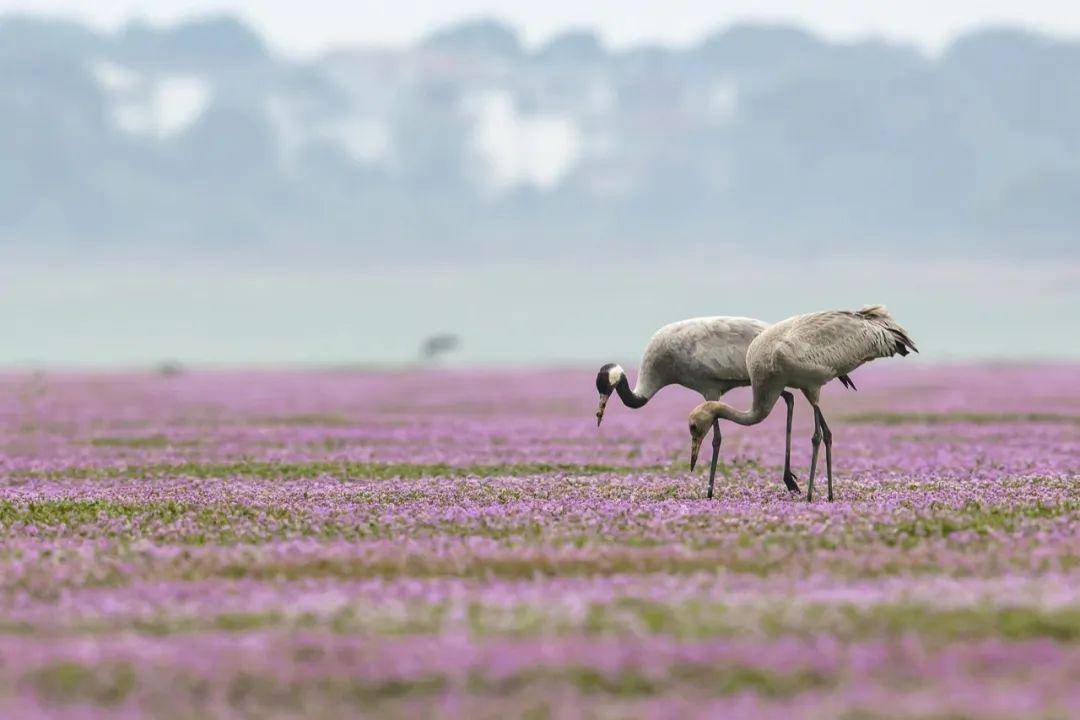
805 352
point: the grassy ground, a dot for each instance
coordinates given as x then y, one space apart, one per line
470 545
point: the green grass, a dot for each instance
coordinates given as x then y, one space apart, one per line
303 420
70 682
80 512
73 682
146 519
687 621
970 418
149 441
343 470
973 517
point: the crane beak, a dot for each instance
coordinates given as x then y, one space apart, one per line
695 445
600 410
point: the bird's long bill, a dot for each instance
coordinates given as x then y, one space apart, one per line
695 445
600 410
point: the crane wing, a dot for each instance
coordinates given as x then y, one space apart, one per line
700 351
842 340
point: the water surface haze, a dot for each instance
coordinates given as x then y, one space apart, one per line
243 311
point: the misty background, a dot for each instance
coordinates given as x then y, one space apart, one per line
189 190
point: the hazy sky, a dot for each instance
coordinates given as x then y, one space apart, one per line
313 25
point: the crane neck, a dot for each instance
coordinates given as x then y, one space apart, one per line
630 398
763 403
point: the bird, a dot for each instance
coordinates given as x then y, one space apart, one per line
436 346
805 352
704 354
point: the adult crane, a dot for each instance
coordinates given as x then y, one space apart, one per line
707 355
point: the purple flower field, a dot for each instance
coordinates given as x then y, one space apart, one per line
469 544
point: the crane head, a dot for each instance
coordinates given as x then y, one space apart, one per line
609 376
700 421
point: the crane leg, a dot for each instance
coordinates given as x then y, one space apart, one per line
816 442
789 477
715 455
826 435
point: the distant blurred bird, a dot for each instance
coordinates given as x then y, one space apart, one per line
705 354
805 352
170 368
436 346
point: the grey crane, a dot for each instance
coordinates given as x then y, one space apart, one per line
705 354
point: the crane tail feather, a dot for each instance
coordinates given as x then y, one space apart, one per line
902 343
